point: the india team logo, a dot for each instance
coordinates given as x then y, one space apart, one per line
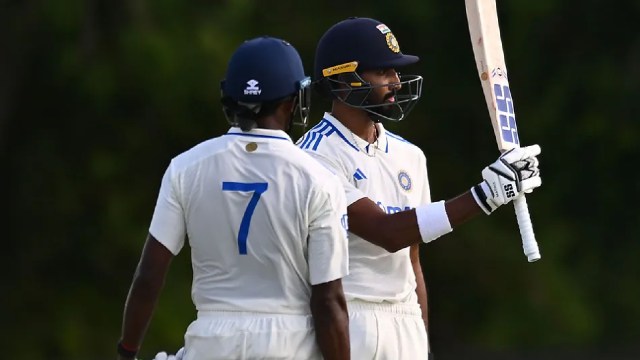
392 43
404 180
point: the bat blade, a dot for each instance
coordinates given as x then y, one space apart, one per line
484 29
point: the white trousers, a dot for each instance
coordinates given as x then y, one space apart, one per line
387 331
220 335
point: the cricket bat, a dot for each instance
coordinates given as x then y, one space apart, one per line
482 17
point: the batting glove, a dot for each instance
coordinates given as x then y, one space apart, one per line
164 356
513 174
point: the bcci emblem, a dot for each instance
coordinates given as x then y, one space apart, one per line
404 180
392 43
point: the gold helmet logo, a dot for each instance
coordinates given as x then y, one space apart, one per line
341 68
392 43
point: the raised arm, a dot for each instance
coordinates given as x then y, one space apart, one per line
504 180
394 232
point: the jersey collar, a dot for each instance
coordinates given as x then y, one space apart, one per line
259 133
358 142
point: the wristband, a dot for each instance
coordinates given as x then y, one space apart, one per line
126 351
480 196
433 221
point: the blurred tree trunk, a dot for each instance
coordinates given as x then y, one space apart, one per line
17 25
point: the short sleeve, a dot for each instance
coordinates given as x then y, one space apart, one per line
168 222
327 243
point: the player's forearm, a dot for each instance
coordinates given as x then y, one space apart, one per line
332 334
139 308
461 209
391 232
331 321
147 284
405 228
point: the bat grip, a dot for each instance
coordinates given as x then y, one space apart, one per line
529 243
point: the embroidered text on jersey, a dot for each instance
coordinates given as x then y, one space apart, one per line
391 209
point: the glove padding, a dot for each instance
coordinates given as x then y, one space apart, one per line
514 173
164 356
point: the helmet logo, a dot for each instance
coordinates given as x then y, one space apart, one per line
392 43
339 69
252 88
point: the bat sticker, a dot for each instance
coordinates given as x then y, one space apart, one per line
504 105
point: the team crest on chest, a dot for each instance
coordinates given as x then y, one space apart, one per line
404 180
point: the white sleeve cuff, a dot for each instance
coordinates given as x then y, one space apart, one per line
433 221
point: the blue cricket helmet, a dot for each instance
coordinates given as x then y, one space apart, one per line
263 69
365 40
359 44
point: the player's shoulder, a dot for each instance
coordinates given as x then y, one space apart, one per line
198 152
396 141
309 164
326 137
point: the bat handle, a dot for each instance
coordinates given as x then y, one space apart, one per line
529 243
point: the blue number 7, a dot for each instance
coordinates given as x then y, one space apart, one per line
258 189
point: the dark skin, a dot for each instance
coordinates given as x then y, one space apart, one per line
144 293
397 231
328 304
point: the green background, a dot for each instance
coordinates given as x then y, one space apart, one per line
96 96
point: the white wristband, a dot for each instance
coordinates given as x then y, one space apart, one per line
433 221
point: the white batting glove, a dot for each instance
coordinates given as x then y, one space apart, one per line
164 356
513 174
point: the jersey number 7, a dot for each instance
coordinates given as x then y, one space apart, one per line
258 189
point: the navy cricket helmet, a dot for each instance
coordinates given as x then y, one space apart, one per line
355 45
264 70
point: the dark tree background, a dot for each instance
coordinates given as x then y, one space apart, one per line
96 96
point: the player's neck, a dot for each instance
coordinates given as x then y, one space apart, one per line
277 121
270 124
357 121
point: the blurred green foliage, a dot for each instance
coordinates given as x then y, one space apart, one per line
96 97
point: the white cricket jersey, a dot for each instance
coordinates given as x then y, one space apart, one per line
264 222
394 175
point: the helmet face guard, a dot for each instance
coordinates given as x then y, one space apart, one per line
352 90
303 103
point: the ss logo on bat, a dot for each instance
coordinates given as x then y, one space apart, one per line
508 189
